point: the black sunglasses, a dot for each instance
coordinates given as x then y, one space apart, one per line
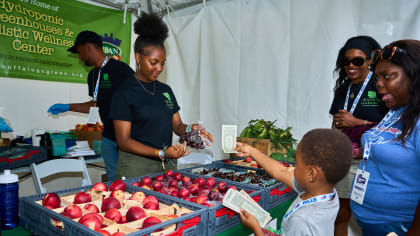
386 54
357 61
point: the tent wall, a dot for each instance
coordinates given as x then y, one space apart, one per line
237 60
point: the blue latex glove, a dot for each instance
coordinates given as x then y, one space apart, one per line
59 108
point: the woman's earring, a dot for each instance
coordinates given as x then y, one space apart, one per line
138 67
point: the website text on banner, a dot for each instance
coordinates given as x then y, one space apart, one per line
35 36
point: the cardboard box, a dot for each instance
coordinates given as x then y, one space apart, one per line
88 135
264 145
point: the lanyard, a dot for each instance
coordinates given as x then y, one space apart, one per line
392 117
353 107
95 93
316 199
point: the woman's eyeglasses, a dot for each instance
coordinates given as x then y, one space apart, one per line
357 61
386 54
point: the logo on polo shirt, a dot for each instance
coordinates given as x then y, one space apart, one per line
105 82
169 102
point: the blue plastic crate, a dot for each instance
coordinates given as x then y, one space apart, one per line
274 195
37 218
13 157
215 224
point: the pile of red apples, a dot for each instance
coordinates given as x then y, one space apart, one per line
198 190
113 208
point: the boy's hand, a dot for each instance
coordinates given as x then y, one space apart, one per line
249 221
244 150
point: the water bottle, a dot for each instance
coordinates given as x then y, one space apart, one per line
9 199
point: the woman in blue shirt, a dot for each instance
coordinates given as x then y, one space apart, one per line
386 190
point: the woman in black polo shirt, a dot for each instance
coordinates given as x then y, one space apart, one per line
145 111
355 109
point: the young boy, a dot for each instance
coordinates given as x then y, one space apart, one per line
323 158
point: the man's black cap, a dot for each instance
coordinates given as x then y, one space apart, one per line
86 37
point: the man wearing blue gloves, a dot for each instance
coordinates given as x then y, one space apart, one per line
103 80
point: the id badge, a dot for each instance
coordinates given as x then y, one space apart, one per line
93 115
359 186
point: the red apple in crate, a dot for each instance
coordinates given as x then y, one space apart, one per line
211 182
193 199
156 185
135 213
207 204
150 199
109 203
178 176
201 199
100 187
103 232
113 214
213 196
159 178
248 160
73 211
117 185
232 187
118 194
151 206
66 215
200 181
187 199
92 221
137 184
222 186
92 208
183 193
52 200
173 183
168 173
186 180
163 191
82 197
150 221
194 189
138 196
174 193
146 181
204 192
146 187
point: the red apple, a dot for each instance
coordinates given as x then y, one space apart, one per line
211 182
146 181
200 181
138 196
248 160
183 193
232 187
187 199
118 194
222 186
174 193
82 197
100 187
207 204
173 183
194 189
103 232
163 191
91 221
159 178
92 215
66 215
73 211
113 214
151 206
201 199
137 184
52 200
213 196
193 199
168 173
186 180
204 192
117 185
109 203
146 187
91 208
150 221
156 185
178 176
135 213
150 199
118 234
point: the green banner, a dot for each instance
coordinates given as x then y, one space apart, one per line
35 36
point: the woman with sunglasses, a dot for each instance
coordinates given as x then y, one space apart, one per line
355 109
386 191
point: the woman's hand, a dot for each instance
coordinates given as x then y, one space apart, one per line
344 119
176 151
244 150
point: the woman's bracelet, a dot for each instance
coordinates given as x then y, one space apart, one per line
161 154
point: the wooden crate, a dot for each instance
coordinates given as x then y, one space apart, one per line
264 145
89 136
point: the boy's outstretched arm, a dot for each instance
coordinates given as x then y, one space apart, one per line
274 168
